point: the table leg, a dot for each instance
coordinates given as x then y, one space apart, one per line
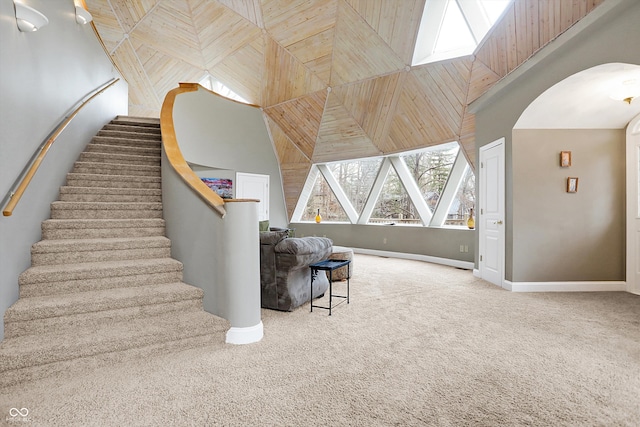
348 280
330 290
311 292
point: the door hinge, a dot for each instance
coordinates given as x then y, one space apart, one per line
481 211
481 165
480 257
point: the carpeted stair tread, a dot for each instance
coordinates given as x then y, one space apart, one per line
106 210
92 270
87 156
122 149
137 120
116 169
129 142
130 135
102 300
71 251
102 228
132 128
33 350
116 181
110 194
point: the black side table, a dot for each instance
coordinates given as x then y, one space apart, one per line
330 265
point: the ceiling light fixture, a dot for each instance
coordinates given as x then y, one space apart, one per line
627 90
83 16
29 19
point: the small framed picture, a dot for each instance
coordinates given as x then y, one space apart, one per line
572 185
565 159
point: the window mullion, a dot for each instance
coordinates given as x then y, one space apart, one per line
374 194
306 192
412 189
451 187
339 193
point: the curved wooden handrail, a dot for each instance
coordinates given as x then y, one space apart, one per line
174 155
14 196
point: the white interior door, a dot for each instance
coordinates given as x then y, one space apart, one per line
490 222
633 206
254 186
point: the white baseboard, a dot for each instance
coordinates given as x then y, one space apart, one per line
611 286
444 261
246 335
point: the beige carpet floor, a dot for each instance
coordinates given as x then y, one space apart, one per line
419 345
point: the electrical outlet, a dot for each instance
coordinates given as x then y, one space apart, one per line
384 241
461 248
466 248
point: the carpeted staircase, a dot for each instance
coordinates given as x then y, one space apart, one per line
103 286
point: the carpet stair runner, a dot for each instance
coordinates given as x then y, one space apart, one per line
102 285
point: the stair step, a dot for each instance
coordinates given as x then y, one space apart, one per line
110 140
54 313
122 149
91 276
101 194
116 169
106 210
113 181
120 158
28 357
101 228
130 135
73 251
128 127
137 121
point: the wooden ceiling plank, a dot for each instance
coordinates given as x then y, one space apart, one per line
397 26
248 9
359 53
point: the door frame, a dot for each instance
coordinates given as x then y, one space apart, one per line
499 143
633 203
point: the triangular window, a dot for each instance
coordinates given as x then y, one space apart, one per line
356 178
323 200
394 205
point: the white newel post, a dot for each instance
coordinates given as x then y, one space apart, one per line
242 271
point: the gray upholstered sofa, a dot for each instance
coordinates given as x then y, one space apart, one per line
285 276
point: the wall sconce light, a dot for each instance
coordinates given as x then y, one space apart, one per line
83 16
29 19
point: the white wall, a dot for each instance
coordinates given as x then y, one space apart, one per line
221 134
43 75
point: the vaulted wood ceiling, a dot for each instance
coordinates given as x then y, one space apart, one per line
333 76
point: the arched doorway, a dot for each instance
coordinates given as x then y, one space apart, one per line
574 241
633 206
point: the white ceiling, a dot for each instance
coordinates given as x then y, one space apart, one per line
584 100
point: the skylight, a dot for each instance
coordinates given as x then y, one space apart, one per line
453 28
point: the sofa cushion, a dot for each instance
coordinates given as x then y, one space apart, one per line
304 245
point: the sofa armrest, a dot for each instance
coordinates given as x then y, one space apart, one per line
272 237
303 245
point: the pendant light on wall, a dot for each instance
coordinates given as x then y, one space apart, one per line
29 19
